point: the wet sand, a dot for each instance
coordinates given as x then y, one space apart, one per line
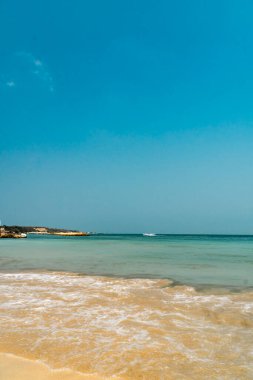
15 368
118 328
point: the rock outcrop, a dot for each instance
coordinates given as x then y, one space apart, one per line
17 232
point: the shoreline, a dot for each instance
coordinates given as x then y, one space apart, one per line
13 367
17 232
96 328
168 282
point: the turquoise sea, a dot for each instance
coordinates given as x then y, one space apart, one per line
198 260
103 305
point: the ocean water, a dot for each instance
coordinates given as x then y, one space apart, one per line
187 259
128 307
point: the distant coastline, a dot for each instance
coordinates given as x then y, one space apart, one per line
17 232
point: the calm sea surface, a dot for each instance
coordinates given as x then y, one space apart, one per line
187 259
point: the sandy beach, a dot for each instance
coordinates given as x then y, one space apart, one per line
16 368
126 207
89 327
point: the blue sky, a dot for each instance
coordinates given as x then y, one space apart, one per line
127 116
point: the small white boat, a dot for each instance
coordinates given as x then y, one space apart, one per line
148 234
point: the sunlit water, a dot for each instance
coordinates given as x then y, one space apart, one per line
167 307
195 260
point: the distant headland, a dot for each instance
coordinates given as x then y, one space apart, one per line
17 232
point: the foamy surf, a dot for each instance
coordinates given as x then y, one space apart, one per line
128 328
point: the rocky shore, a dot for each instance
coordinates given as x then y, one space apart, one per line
17 232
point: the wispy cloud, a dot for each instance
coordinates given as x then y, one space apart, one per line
10 83
37 62
38 68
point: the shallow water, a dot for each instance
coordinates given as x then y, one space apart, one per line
132 328
137 324
189 259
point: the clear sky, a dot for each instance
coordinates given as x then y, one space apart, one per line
127 116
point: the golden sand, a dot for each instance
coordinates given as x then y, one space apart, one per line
122 328
15 368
